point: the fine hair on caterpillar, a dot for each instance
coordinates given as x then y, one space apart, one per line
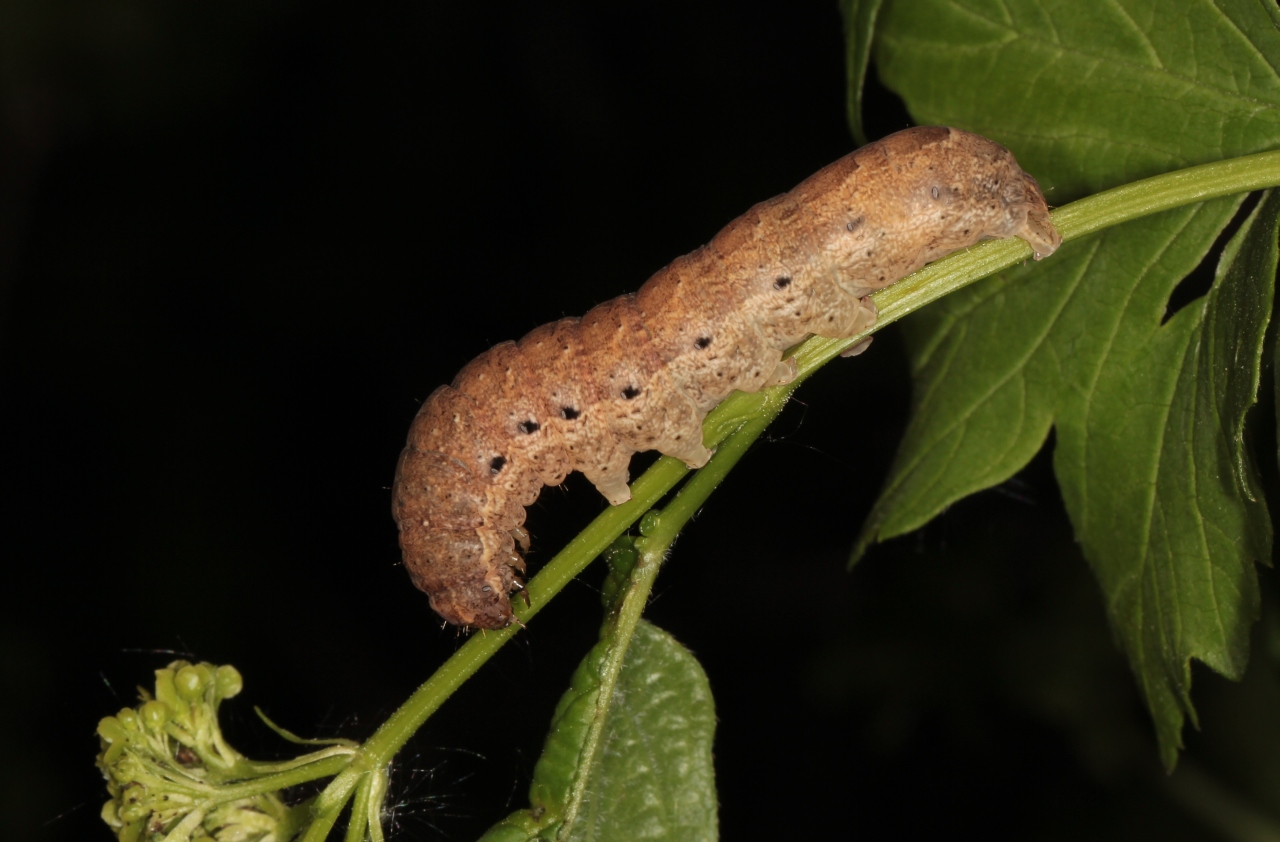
640 372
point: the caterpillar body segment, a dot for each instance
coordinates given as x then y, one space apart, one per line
640 372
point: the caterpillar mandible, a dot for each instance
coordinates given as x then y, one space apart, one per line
640 372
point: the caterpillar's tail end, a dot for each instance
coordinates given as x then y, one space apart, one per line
1038 230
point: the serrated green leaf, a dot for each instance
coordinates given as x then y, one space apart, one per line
652 777
1090 95
859 27
995 364
1081 346
1166 505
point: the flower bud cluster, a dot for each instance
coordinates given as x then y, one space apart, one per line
170 773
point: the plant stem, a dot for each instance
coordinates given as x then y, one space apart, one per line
313 771
741 418
358 823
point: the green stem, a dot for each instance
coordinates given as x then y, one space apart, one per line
744 416
359 821
260 769
377 795
281 780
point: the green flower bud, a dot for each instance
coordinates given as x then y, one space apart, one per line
124 832
229 682
155 714
109 729
128 719
111 814
190 682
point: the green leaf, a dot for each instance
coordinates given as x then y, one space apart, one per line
1167 506
1144 415
995 364
652 777
629 751
1090 95
859 26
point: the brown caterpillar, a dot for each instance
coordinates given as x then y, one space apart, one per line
641 371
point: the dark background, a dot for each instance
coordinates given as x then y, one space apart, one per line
240 242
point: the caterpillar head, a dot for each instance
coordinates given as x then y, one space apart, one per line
476 603
444 563
1038 228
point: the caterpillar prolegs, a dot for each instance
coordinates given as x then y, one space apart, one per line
641 371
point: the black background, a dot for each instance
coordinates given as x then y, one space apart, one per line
241 242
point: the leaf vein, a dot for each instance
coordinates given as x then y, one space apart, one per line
1245 38
1152 53
1137 67
1091 385
963 416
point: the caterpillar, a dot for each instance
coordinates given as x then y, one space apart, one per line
640 372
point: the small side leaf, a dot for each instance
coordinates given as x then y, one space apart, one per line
628 754
654 778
